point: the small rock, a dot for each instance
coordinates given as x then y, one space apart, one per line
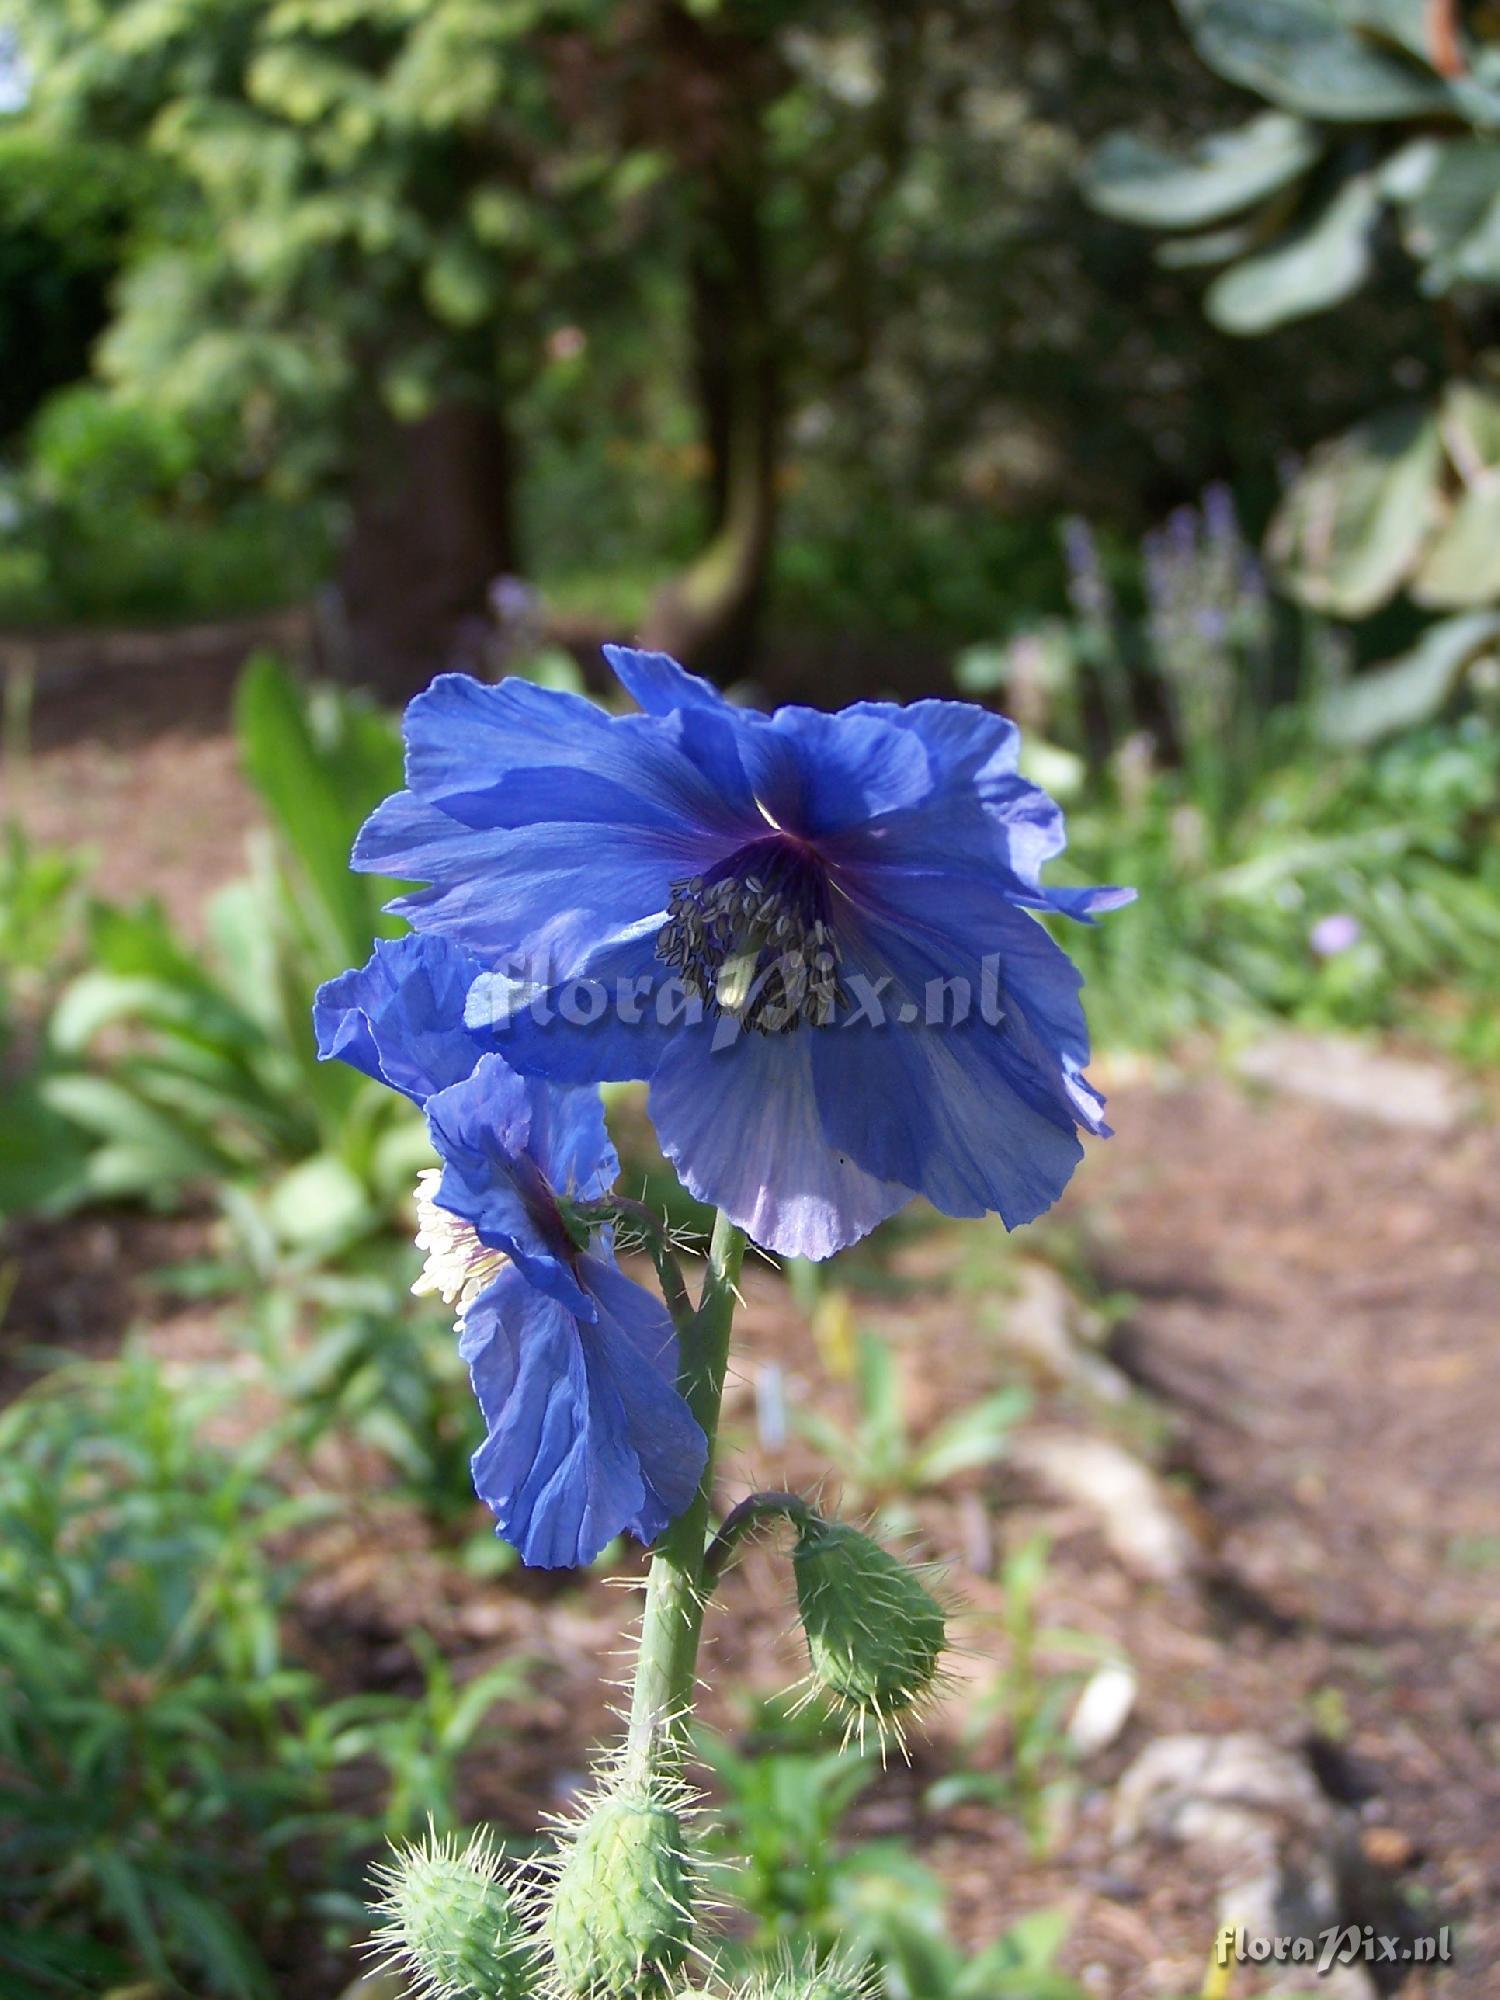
1135 1513
1338 1070
1052 1330
1103 1709
1231 1794
1256 1814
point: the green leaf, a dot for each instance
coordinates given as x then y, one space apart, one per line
1215 246
1461 568
154 1146
1410 690
462 284
43 1160
1448 203
318 1204
317 792
1300 55
1470 423
973 1438
1349 531
1403 22
1322 264
96 1000
1225 173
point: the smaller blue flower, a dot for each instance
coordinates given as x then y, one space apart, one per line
574 1365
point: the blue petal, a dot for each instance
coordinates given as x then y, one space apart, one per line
740 1122
400 1017
556 888
609 1019
488 1132
815 774
509 754
976 1115
981 812
809 771
658 684
587 1437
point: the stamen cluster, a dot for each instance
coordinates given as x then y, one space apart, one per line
747 948
458 1266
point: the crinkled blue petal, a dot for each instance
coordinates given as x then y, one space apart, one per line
737 1115
559 884
609 1018
586 1435
981 813
658 683
508 754
810 772
400 1017
976 1114
501 1138
816 774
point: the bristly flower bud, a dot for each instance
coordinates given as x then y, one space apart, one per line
450 1925
621 1923
875 1633
801 1978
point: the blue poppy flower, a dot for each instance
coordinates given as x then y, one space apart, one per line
574 1365
814 934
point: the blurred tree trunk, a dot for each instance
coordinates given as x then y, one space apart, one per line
433 526
709 614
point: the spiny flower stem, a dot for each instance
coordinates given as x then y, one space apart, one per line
742 1520
667 1664
655 1237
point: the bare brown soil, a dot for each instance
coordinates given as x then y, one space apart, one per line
1306 1303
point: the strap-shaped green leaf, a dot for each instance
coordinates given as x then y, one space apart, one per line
1222 175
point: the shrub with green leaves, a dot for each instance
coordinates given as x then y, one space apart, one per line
1385 122
122 510
1248 833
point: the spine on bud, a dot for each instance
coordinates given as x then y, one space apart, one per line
875 1633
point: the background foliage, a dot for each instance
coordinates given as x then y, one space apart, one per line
1134 370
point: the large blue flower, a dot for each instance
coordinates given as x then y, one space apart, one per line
813 933
574 1364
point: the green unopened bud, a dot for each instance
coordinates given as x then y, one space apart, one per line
836 1979
621 1918
875 1633
450 1924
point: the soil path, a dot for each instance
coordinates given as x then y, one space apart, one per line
1319 1297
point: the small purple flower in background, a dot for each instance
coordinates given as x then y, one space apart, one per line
1334 934
1220 521
518 631
573 1364
1088 587
806 881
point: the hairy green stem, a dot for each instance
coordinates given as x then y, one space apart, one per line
749 1515
655 1237
667 1665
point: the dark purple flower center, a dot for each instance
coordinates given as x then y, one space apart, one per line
752 937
